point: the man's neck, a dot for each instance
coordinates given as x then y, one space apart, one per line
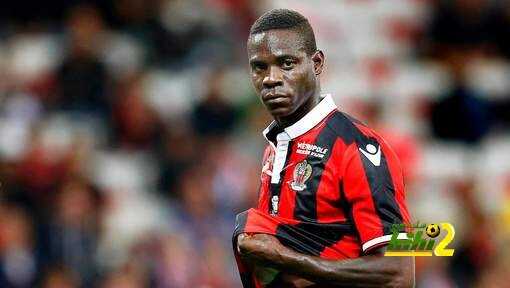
300 112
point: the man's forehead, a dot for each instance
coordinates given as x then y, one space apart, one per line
276 42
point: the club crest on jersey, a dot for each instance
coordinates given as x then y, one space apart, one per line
302 172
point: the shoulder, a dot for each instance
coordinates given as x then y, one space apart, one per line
350 129
356 134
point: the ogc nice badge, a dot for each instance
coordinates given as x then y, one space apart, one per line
302 172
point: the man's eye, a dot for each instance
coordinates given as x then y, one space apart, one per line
258 67
288 64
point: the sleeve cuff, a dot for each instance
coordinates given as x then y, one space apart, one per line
380 241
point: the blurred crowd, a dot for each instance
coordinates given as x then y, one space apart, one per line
130 134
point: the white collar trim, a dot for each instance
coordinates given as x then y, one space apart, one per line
310 120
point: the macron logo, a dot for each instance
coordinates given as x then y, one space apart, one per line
373 154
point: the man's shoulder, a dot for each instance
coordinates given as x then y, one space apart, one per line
348 128
353 131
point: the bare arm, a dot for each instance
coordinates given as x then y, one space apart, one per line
366 271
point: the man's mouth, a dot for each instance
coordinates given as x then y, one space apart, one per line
271 95
276 100
273 98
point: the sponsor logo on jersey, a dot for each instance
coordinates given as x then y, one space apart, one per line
311 149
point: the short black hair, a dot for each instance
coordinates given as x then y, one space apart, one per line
286 19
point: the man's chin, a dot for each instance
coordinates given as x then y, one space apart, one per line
281 113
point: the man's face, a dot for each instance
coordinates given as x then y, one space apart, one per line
283 75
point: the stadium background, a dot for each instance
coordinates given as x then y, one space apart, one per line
130 136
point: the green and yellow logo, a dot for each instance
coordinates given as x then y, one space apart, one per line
417 244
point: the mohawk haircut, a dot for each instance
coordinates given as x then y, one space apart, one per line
286 19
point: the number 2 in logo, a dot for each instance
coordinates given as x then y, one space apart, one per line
440 249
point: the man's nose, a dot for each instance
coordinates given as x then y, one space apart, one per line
273 78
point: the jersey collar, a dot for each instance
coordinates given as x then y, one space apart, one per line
303 125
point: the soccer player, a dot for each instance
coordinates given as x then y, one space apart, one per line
331 188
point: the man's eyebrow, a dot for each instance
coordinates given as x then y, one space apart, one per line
285 56
279 57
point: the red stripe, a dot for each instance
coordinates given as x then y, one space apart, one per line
328 194
357 190
347 248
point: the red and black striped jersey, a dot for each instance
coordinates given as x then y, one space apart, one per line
330 186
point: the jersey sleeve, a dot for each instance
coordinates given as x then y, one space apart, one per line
373 187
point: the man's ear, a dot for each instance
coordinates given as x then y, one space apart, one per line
318 61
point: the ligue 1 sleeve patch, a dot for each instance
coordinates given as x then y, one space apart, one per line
302 172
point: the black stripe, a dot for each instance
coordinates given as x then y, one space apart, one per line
246 280
306 200
312 238
342 125
382 188
240 223
353 120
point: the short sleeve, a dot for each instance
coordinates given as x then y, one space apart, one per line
373 186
